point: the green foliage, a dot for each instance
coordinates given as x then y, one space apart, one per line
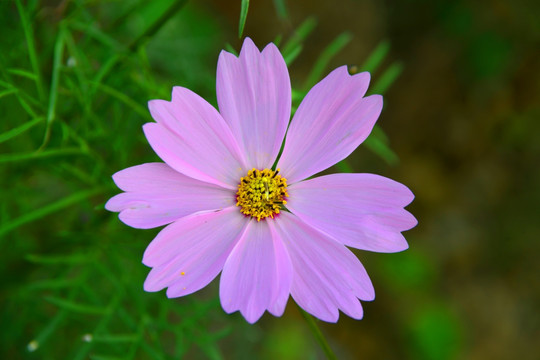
73 89
243 16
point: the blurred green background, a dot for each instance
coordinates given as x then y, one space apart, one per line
461 81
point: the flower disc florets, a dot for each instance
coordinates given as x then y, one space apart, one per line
261 193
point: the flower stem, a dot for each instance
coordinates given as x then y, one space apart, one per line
318 334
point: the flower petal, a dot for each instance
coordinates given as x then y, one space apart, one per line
192 138
332 120
157 195
257 275
327 276
364 211
254 97
190 252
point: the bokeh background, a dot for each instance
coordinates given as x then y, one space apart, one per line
461 81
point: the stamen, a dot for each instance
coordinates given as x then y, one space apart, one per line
261 193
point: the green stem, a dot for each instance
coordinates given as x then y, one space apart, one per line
318 334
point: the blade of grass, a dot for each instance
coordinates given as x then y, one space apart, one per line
343 166
25 105
292 55
23 73
59 259
231 49
322 62
301 33
376 57
49 209
20 129
377 142
76 307
5 158
243 16
124 98
281 9
387 78
318 334
29 35
53 93
158 24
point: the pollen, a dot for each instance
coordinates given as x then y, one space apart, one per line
261 193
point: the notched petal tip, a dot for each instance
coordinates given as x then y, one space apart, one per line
248 45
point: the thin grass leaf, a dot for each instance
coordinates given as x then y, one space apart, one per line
344 167
20 129
387 78
117 338
81 78
29 36
23 73
377 142
376 57
103 71
104 357
281 9
112 309
293 54
36 343
125 99
231 49
53 284
70 259
324 59
73 306
6 158
158 24
298 37
49 209
243 16
88 29
25 105
53 93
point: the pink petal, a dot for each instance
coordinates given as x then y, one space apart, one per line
332 120
157 195
254 97
189 253
364 211
192 138
327 275
257 275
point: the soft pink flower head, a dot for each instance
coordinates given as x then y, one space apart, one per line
269 234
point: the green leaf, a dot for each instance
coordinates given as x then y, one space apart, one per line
29 35
243 15
20 129
387 79
124 98
322 62
378 143
5 158
281 9
76 307
53 93
48 209
59 259
376 57
23 73
300 34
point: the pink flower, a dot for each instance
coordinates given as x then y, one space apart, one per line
269 233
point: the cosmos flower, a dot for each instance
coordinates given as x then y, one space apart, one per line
234 206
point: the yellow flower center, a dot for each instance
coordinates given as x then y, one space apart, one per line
261 193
